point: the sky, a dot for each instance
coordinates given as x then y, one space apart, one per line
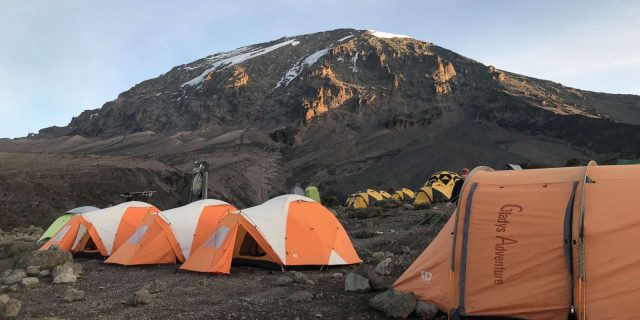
58 58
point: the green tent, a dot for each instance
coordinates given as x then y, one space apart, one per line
312 193
62 220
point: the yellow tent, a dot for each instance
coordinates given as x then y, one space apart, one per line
439 188
364 199
403 194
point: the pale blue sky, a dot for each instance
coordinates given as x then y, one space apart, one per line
58 58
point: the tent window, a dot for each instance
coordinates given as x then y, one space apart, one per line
216 240
137 236
250 247
58 237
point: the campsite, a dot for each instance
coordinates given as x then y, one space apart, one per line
317 159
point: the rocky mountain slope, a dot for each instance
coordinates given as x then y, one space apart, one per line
344 109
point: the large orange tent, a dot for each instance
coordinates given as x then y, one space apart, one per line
101 231
170 236
536 244
288 230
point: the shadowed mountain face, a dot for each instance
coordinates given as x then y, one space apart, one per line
344 110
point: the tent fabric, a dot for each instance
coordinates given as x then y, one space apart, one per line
532 244
170 236
427 195
364 199
311 192
106 228
384 194
62 220
288 230
441 187
404 194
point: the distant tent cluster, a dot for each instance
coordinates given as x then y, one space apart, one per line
207 235
442 186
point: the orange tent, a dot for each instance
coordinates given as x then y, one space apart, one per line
170 236
535 244
288 230
101 231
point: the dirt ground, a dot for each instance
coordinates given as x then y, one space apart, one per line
248 292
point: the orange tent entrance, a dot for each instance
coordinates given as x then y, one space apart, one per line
287 230
100 231
170 236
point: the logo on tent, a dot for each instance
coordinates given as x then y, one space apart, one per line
426 276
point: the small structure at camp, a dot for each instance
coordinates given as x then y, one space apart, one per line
167 237
288 230
536 244
101 231
364 199
404 194
62 220
441 187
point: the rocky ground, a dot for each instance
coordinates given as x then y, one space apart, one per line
387 239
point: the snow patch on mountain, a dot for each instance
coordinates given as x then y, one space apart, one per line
386 35
295 71
354 68
231 58
345 38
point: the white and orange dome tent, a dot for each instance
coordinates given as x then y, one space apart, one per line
170 236
288 230
101 231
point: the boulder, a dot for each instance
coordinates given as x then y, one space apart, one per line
141 297
14 277
394 304
283 281
379 256
11 308
426 310
29 282
384 267
32 271
156 286
356 283
73 295
48 259
44 273
298 277
376 282
64 274
20 247
301 295
337 275
4 298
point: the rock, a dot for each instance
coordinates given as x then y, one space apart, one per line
11 308
301 296
394 304
15 277
337 275
20 247
44 273
405 250
356 283
141 297
365 213
32 271
202 283
407 206
4 298
298 277
29 282
426 310
156 286
376 282
64 274
318 315
48 259
383 268
379 256
73 295
283 281
13 288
